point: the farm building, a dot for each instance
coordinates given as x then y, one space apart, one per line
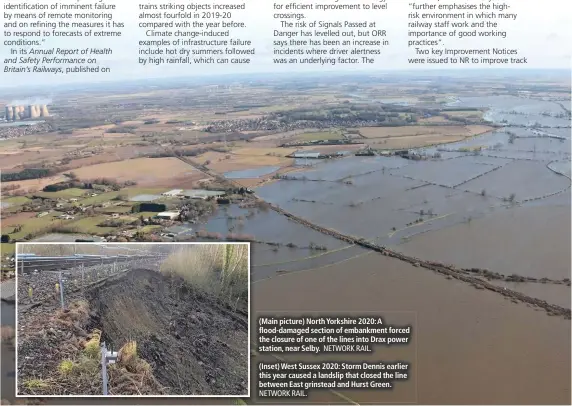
172 193
202 194
308 155
168 215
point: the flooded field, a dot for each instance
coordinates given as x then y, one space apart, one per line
488 331
526 241
499 201
285 246
374 205
513 110
448 173
526 179
342 169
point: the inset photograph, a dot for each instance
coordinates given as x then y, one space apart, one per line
133 319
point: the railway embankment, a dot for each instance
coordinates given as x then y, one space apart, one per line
440 268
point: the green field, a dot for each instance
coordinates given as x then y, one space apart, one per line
16 200
319 136
101 198
7 249
64 194
89 225
115 209
148 229
134 191
34 225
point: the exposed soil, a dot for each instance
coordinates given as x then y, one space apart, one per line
193 345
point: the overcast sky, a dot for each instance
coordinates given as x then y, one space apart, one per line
541 33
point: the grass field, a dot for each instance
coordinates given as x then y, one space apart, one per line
7 249
319 136
263 151
89 225
148 229
16 200
408 131
221 162
101 198
64 194
125 194
465 113
33 225
115 209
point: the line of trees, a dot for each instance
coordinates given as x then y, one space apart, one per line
25 174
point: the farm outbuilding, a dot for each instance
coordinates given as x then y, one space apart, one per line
308 155
202 194
168 215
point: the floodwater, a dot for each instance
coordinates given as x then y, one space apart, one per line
526 179
346 168
563 167
517 110
4 205
376 204
253 173
145 198
267 263
470 343
526 241
275 239
392 198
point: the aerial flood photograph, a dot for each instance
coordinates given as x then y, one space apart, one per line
169 319
441 194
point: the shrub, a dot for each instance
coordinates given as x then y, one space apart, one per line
65 367
215 269
91 348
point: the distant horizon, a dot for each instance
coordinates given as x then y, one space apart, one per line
211 79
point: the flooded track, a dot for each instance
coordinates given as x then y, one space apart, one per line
443 269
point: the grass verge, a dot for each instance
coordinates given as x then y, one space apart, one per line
215 269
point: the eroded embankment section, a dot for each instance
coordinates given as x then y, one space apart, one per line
193 345
448 270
